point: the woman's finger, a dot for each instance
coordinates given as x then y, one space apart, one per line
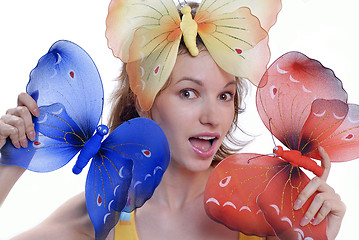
25 123
19 135
326 164
17 122
327 207
316 184
26 100
6 131
318 209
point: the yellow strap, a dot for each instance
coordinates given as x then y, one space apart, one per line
126 227
245 237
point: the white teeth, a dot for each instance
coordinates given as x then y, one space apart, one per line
206 138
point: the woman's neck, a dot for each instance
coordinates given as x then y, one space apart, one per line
180 186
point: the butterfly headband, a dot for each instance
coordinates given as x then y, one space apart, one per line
146 35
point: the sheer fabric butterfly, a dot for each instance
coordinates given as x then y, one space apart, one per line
125 168
146 34
305 106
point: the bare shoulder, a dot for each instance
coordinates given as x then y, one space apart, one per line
69 221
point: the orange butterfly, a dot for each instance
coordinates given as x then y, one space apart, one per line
146 34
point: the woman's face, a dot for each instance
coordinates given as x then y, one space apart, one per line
195 110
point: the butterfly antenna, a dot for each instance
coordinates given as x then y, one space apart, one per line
270 129
263 155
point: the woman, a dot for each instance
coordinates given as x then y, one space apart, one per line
195 106
197 109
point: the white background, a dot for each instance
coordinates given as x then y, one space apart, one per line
322 29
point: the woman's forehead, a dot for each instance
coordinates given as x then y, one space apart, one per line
198 68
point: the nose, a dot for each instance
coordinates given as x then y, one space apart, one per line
210 114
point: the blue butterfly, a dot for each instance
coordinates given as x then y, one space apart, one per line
125 168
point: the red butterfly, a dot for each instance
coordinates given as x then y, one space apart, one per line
305 106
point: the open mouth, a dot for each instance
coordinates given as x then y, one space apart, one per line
202 143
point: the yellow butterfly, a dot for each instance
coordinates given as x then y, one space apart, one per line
146 35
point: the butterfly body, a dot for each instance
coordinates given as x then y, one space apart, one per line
189 30
90 149
296 159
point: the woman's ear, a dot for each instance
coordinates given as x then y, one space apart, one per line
140 111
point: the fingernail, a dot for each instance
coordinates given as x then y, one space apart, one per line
32 136
315 221
297 204
24 143
304 221
17 145
36 112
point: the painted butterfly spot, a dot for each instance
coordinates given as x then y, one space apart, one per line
224 182
157 69
273 91
349 137
37 143
72 74
238 51
147 153
99 200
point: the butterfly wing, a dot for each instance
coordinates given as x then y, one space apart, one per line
125 172
234 37
143 142
58 140
125 17
333 125
277 202
68 90
324 118
153 54
258 8
145 34
343 143
68 75
287 91
107 184
232 190
255 194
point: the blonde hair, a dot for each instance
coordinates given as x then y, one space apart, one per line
124 106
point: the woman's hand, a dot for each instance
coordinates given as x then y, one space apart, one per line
17 122
326 203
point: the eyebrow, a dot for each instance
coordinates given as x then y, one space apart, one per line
230 83
196 81
200 83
